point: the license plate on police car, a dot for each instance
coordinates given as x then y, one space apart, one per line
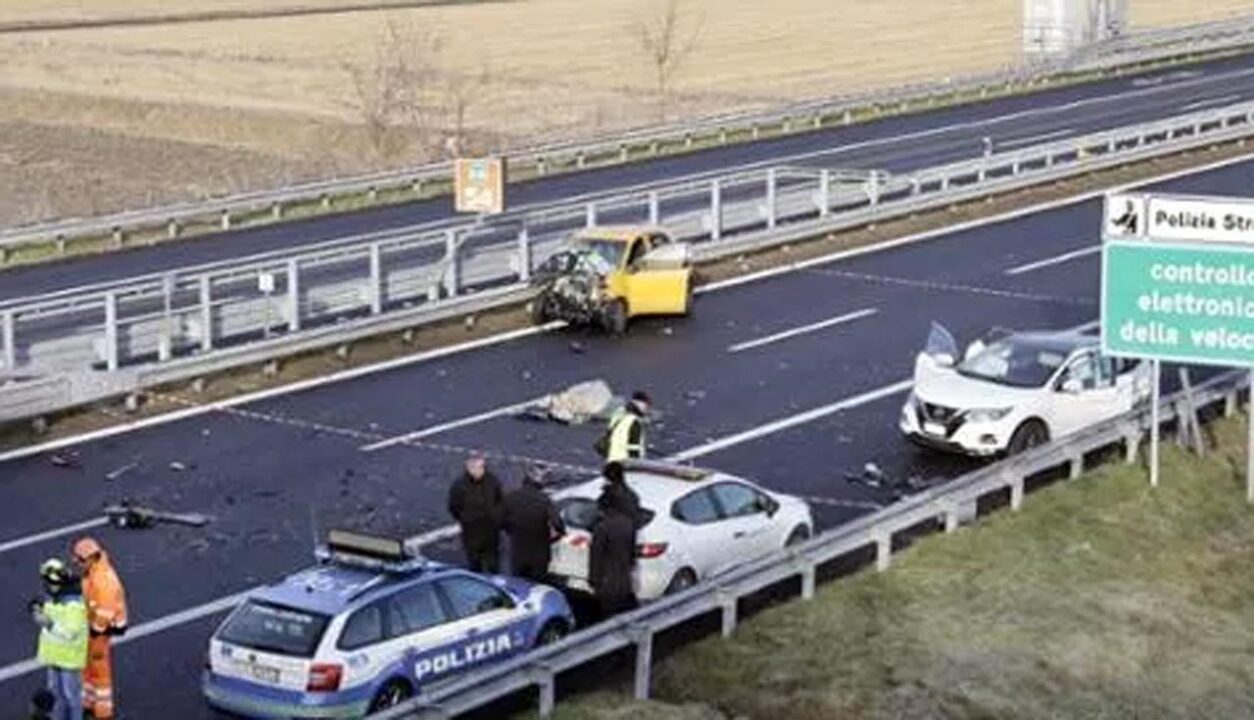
264 674
934 428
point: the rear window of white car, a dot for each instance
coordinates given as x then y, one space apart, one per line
275 629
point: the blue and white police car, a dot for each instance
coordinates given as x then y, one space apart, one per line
367 628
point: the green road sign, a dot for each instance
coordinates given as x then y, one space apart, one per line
1187 303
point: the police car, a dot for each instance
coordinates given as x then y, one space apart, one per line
367 628
697 523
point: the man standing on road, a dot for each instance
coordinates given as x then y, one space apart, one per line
62 620
624 438
475 503
106 617
533 524
617 490
613 555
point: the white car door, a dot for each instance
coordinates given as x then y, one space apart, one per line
1084 394
751 530
705 537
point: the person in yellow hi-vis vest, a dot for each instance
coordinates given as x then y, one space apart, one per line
62 619
625 436
106 617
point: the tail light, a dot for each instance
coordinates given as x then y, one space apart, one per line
650 550
324 677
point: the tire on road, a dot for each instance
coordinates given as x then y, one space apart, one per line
393 693
682 580
615 318
553 631
1031 433
799 534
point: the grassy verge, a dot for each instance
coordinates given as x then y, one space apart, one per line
1101 598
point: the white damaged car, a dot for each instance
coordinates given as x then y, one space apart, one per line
1016 392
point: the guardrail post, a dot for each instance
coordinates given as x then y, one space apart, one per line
416 187
825 192
524 255
7 336
883 551
722 136
165 342
452 277
376 279
1131 445
580 159
118 237
293 295
542 166
727 602
755 132
1230 404
1016 493
623 153
172 229
206 314
276 211
655 208
872 190
716 209
846 118
111 330
590 214
643 637
1075 466
950 516
808 577
688 140
772 184
226 219
543 676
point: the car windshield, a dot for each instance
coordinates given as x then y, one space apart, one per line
581 513
1014 362
611 251
275 629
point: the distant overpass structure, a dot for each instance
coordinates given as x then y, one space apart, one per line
1054 28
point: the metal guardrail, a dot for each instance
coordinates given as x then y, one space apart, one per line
1135 50
117 338
940 507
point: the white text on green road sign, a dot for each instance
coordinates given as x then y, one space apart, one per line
1179 302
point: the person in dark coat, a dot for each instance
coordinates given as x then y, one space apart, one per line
475 502
616 487
613 555
532 523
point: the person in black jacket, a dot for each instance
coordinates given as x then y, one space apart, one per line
613 555
475 502
616 486
532 523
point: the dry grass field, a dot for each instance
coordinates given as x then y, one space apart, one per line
103 118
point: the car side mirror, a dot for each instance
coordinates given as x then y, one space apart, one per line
768 506
1071 386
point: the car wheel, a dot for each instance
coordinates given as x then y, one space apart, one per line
683 580
540 310
1030 434
616 318
390 695
553 631
799 534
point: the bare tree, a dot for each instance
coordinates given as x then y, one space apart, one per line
462 91
393 89
667 39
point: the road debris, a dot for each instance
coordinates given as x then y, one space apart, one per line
68 461
115 474
137 517
578 404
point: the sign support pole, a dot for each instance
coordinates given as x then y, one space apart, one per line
1154 421
1249 449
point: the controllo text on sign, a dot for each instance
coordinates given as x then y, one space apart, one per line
1182 301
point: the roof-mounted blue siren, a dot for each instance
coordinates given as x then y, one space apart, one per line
369 552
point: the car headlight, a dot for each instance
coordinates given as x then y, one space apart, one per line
983 415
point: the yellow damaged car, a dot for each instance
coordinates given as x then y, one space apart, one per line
608 275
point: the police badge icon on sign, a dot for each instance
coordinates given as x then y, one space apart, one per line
1124 216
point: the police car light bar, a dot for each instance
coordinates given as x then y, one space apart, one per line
371 552
670 470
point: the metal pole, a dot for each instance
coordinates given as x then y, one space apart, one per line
524 255
10 345
452 279
772 183
206 314
716 209
165 347
376 279
655 209
293 295
825 193
1156 371
111 330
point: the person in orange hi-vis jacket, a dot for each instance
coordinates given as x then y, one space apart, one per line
106 616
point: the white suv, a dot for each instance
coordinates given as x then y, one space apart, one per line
697 524
1017 392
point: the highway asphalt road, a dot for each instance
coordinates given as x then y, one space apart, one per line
897 144
760 381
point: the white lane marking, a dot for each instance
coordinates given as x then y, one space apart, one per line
952 287
792 421
296 387
138 632
451 425
1015 142
1055 260
803 330
527 332
22 542
962 227
1209 103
